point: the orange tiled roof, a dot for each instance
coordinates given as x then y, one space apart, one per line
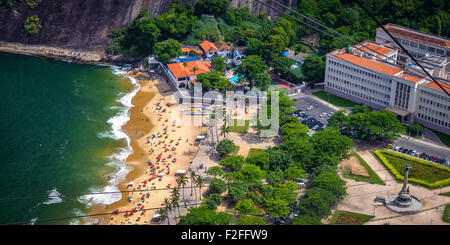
187 50
416 35
434 86
410 78
178 69
208 46
369 64
380 50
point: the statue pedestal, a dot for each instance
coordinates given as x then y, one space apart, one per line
409 206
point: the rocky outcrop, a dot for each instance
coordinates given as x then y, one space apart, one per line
79 29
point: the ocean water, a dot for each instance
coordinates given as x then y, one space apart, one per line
60 136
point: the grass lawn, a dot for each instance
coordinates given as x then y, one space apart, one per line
373 177
254 151
335 100
419 171
446 216
341 217
443 137
239 129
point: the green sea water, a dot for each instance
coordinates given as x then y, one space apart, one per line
56 122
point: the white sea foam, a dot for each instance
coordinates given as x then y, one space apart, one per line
117 159
54 197
32 221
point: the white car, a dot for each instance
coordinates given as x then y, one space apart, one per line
322 115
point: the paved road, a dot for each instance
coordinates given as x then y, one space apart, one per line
422 146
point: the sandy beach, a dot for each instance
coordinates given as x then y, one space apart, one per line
170 141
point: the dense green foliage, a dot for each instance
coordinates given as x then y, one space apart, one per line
225 147
219 64
212 80
313 69
167 50
205 216
32 25
250 220
233 162
369 125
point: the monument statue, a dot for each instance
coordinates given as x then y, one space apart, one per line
404 202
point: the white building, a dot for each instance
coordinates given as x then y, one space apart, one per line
223 50
374 80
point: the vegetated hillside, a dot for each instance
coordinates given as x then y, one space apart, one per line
85 25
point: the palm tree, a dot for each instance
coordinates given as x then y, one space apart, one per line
167 205
194 69
176 195
200 181
185 66
174 200
163 214
225 130
193 181
182 181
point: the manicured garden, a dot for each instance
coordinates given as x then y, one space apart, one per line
424 173
446 216
372 178
335 100
341 217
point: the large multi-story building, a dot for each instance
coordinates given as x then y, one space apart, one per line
375 79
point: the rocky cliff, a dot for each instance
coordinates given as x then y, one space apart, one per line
79 29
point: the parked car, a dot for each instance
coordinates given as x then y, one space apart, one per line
322 115
330 114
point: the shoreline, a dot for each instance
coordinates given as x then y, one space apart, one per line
143 122
64 54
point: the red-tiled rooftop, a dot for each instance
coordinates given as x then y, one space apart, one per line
178 69
208 46
434 86
379 50
410 78
416 35
369 64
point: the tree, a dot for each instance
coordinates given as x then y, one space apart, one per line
275 177
212 80
250 68
176 197
205 216
167 206
246 206
32 25
329 143
316 204
163 213
225 147
213 200
233 162
254 46
375 125
217 186
361 109
250 173
251 220
294 130
199 181
294 173
300 149
277 207
182 181
215 171
282 65
262 81
313 69
214 7
167 50
416 128
237 191
279 159
331 182
338 119
219 64
177 22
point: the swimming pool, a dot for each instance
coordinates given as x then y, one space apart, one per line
234 79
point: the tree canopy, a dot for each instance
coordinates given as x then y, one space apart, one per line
167 50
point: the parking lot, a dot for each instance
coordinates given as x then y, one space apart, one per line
440 152
315 118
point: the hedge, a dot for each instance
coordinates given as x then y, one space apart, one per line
399 176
